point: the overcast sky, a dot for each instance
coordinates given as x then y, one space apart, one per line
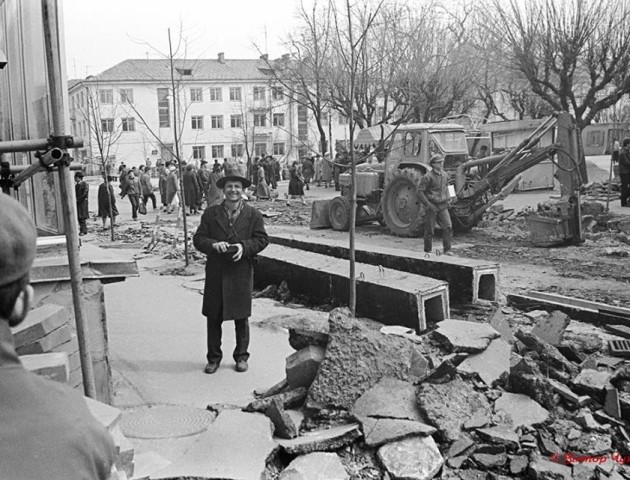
101 33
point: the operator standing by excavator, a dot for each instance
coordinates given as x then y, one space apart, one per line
434 195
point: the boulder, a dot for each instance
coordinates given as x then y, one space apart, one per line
315 466
449 406
416 458
464 336
357 357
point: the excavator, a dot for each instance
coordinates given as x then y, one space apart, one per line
387 191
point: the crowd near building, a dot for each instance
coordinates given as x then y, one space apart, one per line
223 108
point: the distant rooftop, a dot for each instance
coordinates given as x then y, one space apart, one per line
145 70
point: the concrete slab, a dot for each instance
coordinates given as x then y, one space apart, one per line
389 296
53 366
551 329
469 280
389 398
235 446
46 343
378 431
491 365
315 466
40 322
522 410
321 440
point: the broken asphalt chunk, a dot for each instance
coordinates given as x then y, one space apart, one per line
322 440
492 365
315 466
416 458
464 336
521 409
379 431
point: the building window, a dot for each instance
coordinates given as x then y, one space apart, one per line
129 124
235 94
126 95
260 149
236 121
260 120
106 97
216 94
276 93
237 150
278 148
259 93
278 119
196 94
199 153
107 125
196 122
217 151
164 109
216 121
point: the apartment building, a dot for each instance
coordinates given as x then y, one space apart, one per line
222 108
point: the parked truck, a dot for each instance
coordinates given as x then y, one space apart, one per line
387 191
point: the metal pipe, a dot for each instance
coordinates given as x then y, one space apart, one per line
52 41
20 168
12 146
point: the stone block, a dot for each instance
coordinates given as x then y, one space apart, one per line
40 322
302 366
53 366
416 458
48 342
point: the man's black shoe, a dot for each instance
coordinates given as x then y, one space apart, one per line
241 366
211 368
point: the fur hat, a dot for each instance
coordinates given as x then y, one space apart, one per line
18 240
233 175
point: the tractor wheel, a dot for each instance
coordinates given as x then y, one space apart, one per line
340 213
402 210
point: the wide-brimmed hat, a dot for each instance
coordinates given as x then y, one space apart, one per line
233 175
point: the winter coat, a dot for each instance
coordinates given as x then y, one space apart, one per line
145 184
172 187
191 188
624 161
229 284
81 189
103 201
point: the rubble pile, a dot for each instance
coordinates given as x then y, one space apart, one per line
601 191
499 399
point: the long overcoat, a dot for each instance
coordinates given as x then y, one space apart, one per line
229 284
82 193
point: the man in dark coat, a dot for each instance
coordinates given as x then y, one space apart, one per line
81 190
624 172
191 189
230 234
47 430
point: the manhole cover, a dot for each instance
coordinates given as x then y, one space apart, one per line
165 422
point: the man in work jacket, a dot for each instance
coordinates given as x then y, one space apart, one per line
433 194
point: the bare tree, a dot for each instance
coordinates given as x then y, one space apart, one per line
575 54
105 129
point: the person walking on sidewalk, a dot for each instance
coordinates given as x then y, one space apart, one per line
624 172
433 194
231 234
147 187
132 190
172 188
106 199
47 430
81 190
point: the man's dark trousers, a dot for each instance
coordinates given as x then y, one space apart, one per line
214 340
625 188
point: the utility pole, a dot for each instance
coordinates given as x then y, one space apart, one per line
176 138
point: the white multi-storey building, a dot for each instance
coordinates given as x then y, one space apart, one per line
225 109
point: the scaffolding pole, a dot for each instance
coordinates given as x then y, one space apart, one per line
51 27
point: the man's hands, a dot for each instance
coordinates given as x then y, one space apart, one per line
222 247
